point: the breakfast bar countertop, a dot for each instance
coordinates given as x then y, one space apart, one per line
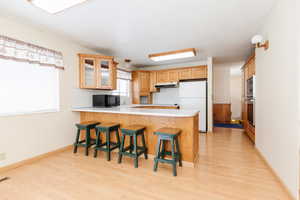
130 109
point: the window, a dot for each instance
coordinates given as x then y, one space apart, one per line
28 88
123 83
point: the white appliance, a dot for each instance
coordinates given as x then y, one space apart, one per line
193 95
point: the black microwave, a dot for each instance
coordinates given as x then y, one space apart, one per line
106 100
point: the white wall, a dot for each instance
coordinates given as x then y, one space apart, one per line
228 86
277 127
27 136
210 86
221 78
236 92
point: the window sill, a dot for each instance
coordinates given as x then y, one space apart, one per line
29 113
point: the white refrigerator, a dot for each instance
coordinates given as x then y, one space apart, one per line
193 95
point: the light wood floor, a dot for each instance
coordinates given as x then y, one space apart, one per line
229 169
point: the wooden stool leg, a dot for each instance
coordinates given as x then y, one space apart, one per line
76 141
163 149
145 148
108 145
135 152
178 152
121 149
173 157
87 141
131 144
97 143
118 138
157 155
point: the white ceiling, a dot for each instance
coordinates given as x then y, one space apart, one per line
135 28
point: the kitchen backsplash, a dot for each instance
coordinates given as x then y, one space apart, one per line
166 96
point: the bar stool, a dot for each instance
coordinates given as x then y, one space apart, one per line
87 142
164 135
134 150
107 146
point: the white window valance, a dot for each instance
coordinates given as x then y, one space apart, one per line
26 52
121 74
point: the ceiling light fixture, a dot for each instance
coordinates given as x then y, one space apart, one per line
172 55
55 6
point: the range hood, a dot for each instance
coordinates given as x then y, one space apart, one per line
167 85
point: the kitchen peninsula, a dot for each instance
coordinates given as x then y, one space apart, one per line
153 118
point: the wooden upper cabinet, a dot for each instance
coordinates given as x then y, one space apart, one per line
144 83
199 72
173 75
246 72
185 74
162 76
135 88
97 72
190 73
153 81
250 68
140 86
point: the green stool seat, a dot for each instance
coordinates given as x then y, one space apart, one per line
164 135
87 142
133 150
107 146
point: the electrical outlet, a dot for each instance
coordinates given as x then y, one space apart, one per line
2 156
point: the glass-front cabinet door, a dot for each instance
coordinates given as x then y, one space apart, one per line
97 72
89 69
104 74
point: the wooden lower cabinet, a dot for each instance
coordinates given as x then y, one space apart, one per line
188 138
250 131
248 71
222 113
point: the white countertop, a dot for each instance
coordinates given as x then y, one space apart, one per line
129 109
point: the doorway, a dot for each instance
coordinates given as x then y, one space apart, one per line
228 87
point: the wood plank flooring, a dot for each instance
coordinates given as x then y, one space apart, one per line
228 169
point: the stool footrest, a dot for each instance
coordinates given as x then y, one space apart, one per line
141 150
105 144
132 155
168 153
112 147
82 143
165 160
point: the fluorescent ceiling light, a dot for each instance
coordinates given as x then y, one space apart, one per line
172 55
55 6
